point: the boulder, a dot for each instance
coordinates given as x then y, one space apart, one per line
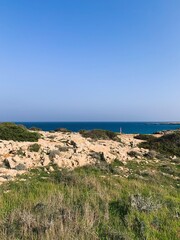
20 167
45 160
10 163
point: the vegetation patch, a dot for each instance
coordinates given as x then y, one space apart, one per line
63 130
11 131
98 134
117 163
35 129
168 145
99 156
145 137
20 152
134 154
34 147
89 203
53 154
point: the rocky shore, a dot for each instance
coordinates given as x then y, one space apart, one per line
66 150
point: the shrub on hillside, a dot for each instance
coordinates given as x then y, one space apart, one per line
34 147
134 154
97 155
169 144
20 152
144 137
151 154
11 131
53 154
35 129
98 134
63 130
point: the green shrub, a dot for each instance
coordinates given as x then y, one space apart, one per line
34 147
134 154
98 134
145 137
168 144
35 129
20 152
64 130
120 208
11 131
117 163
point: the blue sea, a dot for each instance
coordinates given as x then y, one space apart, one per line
126 127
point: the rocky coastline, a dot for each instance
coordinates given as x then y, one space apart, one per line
66 150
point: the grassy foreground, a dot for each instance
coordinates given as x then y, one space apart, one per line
136 201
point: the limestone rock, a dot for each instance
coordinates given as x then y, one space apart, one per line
66 150
10 163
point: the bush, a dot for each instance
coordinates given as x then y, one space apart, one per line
143 204
53 154
151 154
35 129
120 208
20 152
64 130
11 131
134 154
117 163
34 147
144 137
98 134
169 144
97 155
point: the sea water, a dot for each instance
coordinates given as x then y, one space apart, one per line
125 127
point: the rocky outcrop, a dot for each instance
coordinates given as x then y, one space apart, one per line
66 150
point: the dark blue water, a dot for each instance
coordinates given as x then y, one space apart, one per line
127 127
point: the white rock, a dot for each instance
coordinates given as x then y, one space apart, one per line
51 169
16 158
46 160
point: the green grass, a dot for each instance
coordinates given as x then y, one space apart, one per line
11 131
92 202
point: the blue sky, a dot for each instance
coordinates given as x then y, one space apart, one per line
89 60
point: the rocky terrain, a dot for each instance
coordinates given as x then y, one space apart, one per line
66 149
88 185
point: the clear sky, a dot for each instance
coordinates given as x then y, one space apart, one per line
89 60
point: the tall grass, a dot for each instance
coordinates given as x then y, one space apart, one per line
89 203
